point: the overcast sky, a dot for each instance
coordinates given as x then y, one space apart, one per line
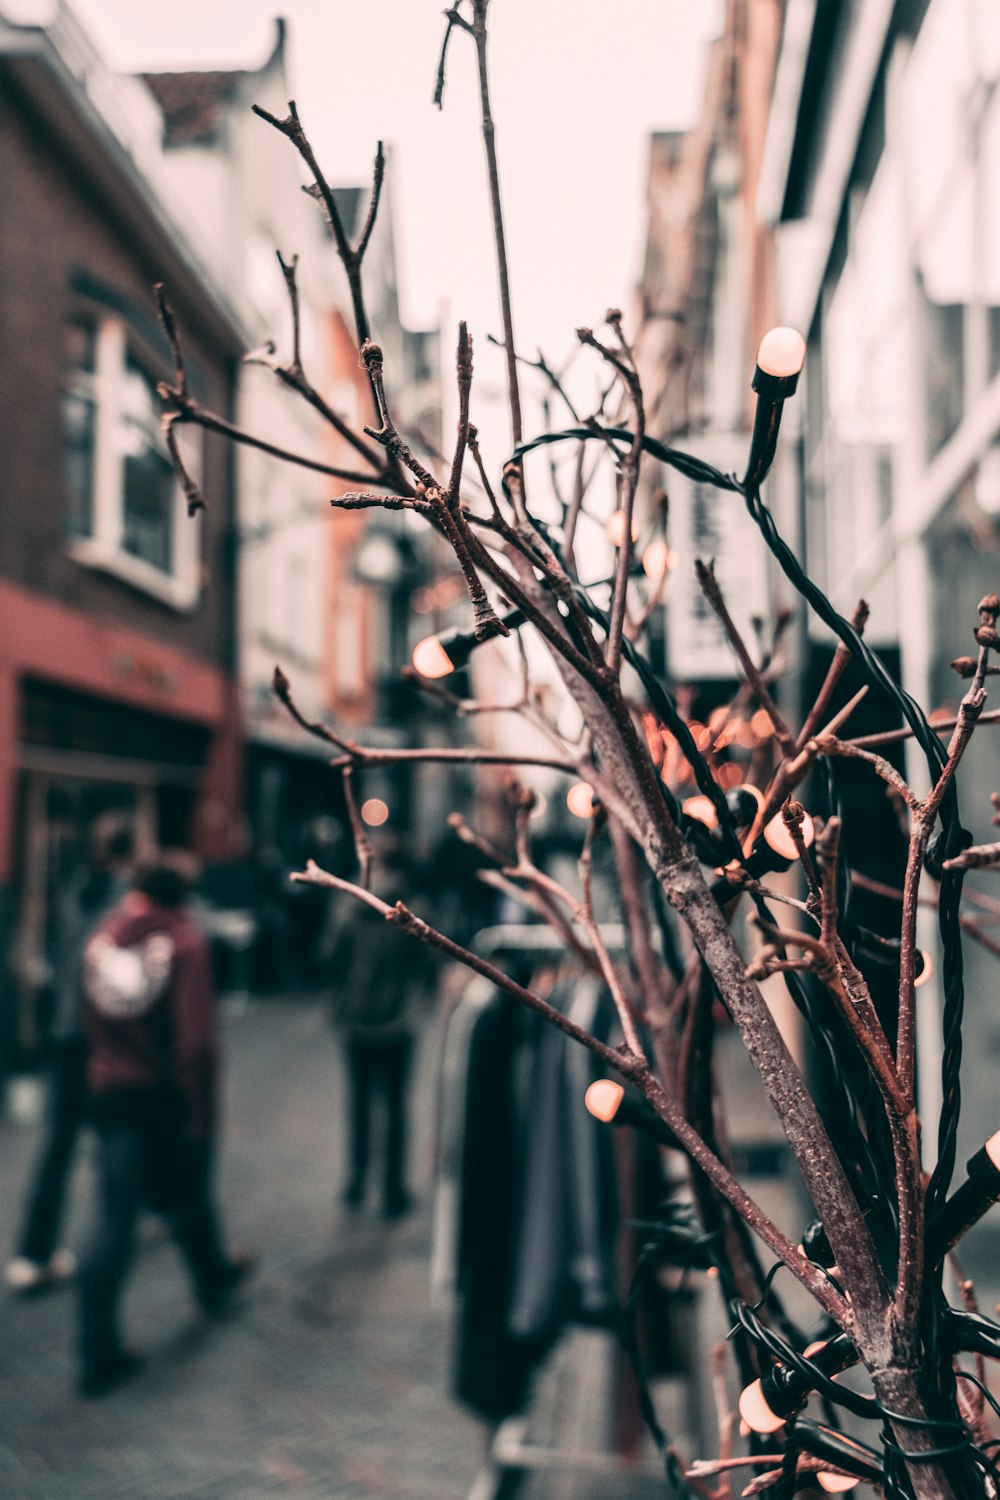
577 87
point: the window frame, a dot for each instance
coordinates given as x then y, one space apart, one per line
103 548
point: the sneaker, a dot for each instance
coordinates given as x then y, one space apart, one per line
62 1266
241 1265
27 1277
24 1276
99 1380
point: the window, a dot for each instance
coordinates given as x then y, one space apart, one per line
79 426
125 510
148 476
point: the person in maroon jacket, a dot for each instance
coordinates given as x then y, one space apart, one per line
152 1075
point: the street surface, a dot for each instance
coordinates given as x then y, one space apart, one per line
331 1379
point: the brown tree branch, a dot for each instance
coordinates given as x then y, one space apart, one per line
635 1069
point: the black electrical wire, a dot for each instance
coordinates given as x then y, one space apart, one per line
953 837
942 1326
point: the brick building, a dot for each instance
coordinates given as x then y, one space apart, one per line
117 650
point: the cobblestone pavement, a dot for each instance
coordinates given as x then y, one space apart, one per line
330 1381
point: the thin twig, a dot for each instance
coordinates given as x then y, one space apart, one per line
362 843
713 593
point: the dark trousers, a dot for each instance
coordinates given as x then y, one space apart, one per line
379 1068
145 1160
46 1194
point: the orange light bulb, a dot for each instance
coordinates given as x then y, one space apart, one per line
701 808
615 528
580 800
430 658
755 1411
657 560
603 1099
835 1484
778 838
926 971
782 353
374 812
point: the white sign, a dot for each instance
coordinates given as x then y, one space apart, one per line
707 523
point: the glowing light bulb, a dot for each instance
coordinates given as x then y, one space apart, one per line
926 971
761 724
782 353
541 804
834 1484
812 1349
745 801
657 560
615 528
580 800
992 1149
755 1411
430 658
374 812
778 838
701 808
603 1099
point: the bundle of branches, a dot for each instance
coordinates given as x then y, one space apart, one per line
873 1261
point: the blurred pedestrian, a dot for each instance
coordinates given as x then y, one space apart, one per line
379 974
96 888
152 1076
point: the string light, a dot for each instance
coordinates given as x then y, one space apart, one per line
608 1102
728 776
926 969
761 725
834 1484
778 838
374 812
781 355
755 1411
541 805
969 1202
580 799
615 528
657 560
430 657
603 1099
780 358
702 809
744 801
767 1403
440 655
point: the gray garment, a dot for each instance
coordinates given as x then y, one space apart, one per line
80 907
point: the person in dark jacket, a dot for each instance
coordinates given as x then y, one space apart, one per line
152 1077
379 973
99 885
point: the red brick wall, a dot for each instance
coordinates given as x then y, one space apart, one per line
54 223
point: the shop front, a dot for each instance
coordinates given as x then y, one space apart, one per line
96 719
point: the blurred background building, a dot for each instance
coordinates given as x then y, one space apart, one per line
138 646
844 179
